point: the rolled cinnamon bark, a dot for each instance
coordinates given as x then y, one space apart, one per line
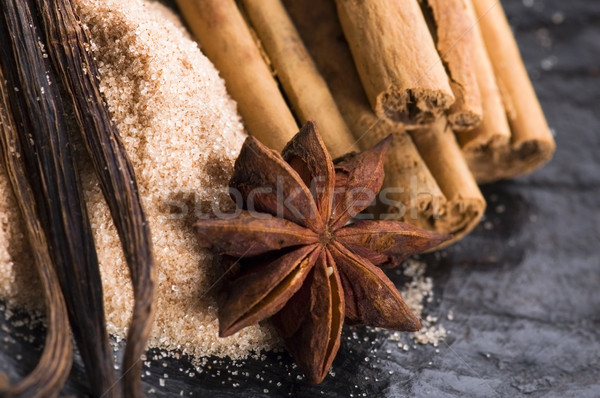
228 42
531 143
465 203
301 81
397 62
413 194
410 193
451 26
487 147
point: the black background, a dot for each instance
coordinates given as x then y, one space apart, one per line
523 289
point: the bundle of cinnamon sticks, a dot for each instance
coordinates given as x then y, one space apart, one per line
444 77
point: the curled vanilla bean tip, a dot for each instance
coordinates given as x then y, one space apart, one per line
55 361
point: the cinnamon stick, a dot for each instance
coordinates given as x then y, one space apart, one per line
451 26
397 62
321 33
531 143
413 194
303 85
227 41
487 147
465 204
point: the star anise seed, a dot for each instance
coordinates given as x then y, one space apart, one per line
302 261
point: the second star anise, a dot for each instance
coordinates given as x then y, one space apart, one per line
302 261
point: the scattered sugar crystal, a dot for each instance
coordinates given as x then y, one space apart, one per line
528 3
558 17
415 293
543 36
548 63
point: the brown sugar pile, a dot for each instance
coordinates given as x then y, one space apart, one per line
182 133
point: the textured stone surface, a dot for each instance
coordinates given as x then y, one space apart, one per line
519 296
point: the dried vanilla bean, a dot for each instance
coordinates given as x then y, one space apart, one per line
38 110
78 70
53 368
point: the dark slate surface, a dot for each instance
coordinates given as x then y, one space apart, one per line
524 288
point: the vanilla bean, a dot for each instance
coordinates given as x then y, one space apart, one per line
39 114
77 68
55 362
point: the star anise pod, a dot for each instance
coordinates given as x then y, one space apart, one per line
302 262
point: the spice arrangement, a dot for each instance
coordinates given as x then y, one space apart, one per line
437 104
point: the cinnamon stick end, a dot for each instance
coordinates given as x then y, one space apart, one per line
508 161
459 217
413 107
464 120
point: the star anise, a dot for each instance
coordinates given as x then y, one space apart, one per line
302 262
